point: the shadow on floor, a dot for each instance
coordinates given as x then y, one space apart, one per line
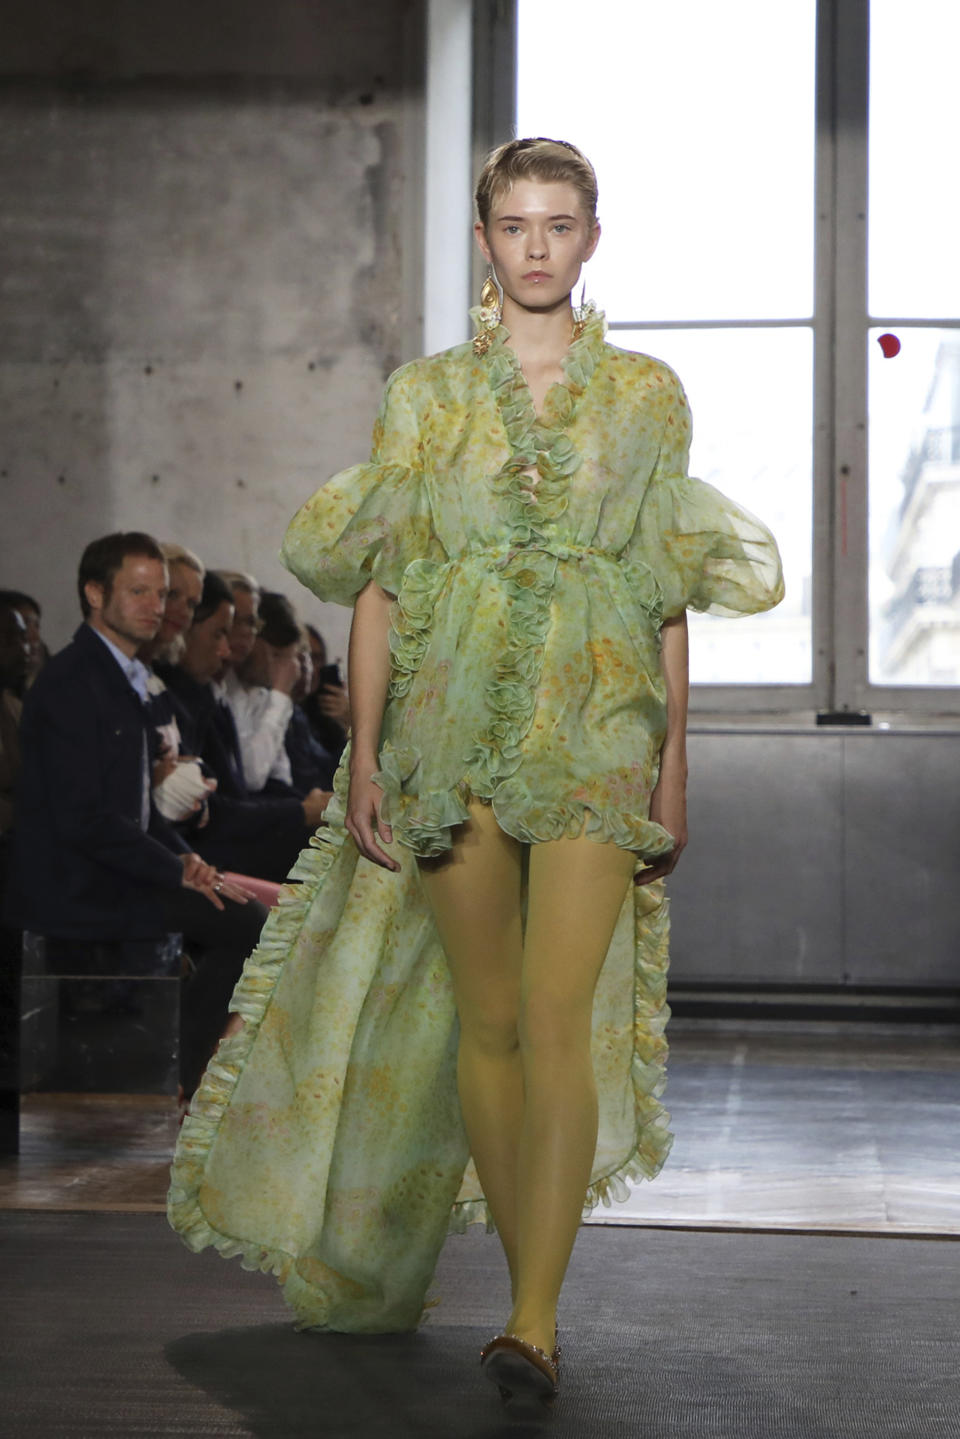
282 1384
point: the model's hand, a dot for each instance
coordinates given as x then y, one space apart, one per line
364 823
314 806
283 668
668 807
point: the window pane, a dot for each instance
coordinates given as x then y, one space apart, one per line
914 196
915 509
750 392
704 151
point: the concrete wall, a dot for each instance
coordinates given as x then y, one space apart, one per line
210 247
820 857
206 249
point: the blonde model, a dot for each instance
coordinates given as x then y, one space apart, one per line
458 1010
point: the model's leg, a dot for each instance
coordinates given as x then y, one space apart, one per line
576 891
474 893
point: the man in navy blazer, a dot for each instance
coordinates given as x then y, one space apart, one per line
92 858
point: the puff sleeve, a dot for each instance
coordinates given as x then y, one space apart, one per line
370 521
707 552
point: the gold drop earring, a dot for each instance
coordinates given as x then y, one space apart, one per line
491 309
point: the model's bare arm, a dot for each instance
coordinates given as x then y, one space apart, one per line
369 661
668 805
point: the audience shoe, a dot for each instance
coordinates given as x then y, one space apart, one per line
526 1376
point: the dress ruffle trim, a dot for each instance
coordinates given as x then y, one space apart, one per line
251 999
529 570
511 694
412 620
422 822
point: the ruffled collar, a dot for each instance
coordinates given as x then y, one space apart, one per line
527 431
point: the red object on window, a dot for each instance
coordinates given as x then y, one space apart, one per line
890 346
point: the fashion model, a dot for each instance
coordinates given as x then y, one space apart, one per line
457 1012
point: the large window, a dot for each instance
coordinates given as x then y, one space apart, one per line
734 144
914 367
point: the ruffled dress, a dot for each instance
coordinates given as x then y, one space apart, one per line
533 559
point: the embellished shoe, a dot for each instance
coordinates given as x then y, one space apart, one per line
526 1376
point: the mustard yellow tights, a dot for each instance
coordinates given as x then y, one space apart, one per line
524 996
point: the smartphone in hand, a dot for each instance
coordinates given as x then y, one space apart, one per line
330 675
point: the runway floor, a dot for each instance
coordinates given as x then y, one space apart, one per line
793 1274
779 1125
115 1330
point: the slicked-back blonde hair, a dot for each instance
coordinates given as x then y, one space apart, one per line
179 555
240 580
536 159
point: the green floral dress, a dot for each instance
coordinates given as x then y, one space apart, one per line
534 559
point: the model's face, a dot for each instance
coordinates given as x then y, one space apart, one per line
537 240
208 644
131 612
183 596
245 625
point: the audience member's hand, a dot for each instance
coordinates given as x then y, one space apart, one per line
164 767
283 666
231 889
196 872
314 805
207 880
333 701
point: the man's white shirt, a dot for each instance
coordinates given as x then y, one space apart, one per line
261 716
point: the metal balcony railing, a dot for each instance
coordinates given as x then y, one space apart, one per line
938 447
929 585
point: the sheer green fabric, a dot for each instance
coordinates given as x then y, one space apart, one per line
533 560
525 640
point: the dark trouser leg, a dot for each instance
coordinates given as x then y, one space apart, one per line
10 965
271 857
221 940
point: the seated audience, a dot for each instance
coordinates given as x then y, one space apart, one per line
326 702
181 785
258 834
28 609
180 789
186 574
311 766
258 689
246 619
92 858
14 665
14 661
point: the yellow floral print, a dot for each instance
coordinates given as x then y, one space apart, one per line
534 559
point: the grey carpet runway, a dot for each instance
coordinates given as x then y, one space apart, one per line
111 1328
